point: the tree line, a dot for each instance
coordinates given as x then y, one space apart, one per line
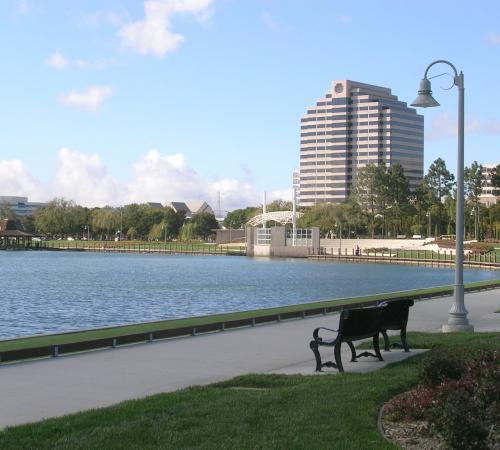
62 218
382 204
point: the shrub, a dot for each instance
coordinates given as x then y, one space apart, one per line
411 405
456 416
466 411
441 366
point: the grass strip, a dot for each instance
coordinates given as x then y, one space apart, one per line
280 412
110 332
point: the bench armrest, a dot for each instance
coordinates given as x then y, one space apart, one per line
316 331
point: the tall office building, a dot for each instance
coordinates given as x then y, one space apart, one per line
356 124
488 196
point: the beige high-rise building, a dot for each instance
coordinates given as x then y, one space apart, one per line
488 196
353 125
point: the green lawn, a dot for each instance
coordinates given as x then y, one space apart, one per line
253 411
38 341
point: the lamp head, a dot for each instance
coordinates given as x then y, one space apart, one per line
425 98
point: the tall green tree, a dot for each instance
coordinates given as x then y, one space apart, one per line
61 217
239 217
106 221
495 180
398 196
201 226
326 216
6 212
473 184
440 183
439 179
371 192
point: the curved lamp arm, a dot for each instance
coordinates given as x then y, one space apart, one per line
458 81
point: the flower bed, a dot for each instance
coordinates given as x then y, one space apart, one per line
457 402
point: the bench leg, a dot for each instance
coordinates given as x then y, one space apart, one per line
386 341
338 360
376 347
404 341
314 347
353 351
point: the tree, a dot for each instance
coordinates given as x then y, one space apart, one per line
106 221
397 195
61 217
279 205
172 221
371 191
6 212
323 215
440 183
473 184
495 180
201 226
439 179
239 217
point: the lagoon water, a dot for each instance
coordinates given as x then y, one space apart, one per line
46 292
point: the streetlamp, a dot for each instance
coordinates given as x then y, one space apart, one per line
429 224
457 317
339 226
164 227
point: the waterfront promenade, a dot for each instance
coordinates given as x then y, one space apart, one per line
35 390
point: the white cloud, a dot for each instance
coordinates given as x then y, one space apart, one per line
155 177
90 100
97 18
443 126
494 38
15 179
153 34
269 22
23 7
57 60
344 18
83 178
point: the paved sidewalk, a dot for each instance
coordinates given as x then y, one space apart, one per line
34 390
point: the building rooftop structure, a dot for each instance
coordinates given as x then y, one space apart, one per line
154 204
191 208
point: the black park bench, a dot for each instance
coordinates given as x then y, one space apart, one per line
363 323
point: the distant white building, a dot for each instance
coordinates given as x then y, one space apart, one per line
487 197
20 206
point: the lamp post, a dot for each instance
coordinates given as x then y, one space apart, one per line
429 224
457 317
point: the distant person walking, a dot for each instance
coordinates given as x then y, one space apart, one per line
358 251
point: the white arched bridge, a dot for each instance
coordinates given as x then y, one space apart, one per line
281 217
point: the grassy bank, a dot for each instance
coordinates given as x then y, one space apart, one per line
57 339
253 411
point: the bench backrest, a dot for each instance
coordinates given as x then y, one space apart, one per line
395 314
359 323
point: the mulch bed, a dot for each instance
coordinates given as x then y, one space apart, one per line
409 435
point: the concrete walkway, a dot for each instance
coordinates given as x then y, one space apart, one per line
31 391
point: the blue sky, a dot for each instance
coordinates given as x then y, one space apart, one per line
107 102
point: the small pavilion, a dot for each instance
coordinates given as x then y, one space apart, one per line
12 234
